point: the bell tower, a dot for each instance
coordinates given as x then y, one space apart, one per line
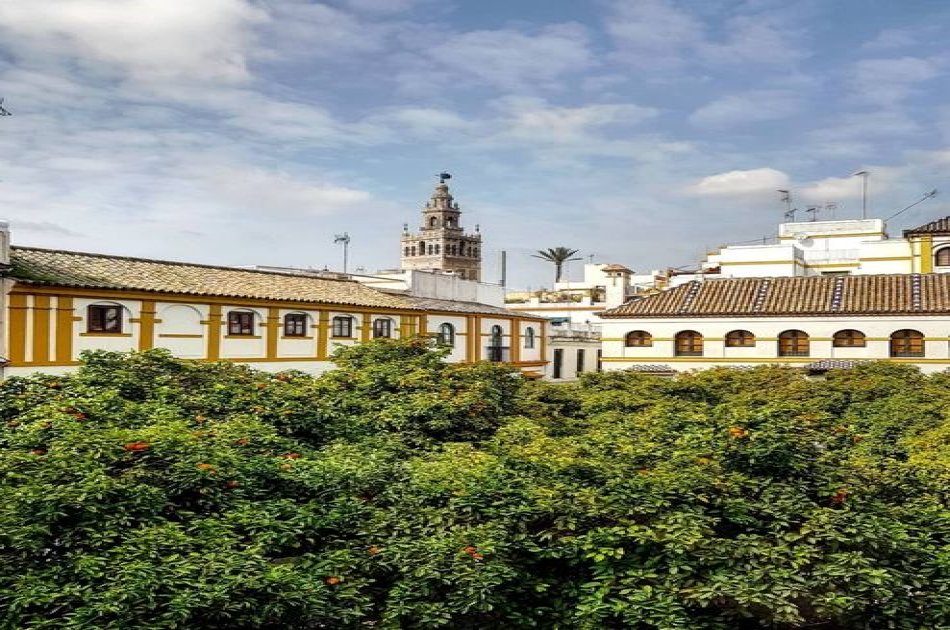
440 243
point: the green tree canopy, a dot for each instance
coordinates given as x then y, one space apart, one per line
403 491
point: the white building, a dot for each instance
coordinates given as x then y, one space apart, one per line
834 248
57 304
798 321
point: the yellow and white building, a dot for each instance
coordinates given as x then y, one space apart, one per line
804 321
60 303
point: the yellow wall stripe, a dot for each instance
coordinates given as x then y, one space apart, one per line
41 328
214 332
147 325
17 339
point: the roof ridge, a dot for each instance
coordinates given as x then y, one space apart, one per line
182 264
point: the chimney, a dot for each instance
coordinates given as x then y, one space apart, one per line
4 244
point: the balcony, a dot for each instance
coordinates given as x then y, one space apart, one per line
498 354
559 333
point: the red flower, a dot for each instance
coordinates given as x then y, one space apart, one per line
839 497
137 446
38 451
291 455
232 484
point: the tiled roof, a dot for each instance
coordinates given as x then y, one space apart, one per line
616 267
97 271
940 226
831 364
803 295
651 368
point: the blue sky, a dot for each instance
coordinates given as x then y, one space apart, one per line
638 131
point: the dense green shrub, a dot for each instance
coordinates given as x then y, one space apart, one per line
402 491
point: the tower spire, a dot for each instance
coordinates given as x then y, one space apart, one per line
441 243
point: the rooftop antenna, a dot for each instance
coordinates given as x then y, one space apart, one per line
787 200
864 191
345 239
928 195
831 206
790 215
813 211
3 110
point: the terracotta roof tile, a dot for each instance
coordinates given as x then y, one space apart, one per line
939 226
97 271
803 295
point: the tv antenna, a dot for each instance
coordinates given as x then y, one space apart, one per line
345 240
813 212
3 110
790 215
787 200
928 195
830 207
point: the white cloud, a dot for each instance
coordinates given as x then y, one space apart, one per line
747 107
886 82
652 31
535 120
148 40
504 58
753 182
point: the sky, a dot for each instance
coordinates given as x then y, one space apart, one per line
643 132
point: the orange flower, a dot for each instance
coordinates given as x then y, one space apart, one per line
78 415
470 550
242 442
291 455
260 385
333 580
38 451
738 432
137 446
373 550
839 497
233 484
207 467
477 556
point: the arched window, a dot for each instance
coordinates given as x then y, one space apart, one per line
342 326
382 327
446 335
740 339
689 343
942 257
638 339
104 318
295 325
907 343
432 222
848 339
240 323
793 343
529 337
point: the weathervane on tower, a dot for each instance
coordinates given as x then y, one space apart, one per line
444 176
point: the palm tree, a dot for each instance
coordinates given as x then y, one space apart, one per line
558 256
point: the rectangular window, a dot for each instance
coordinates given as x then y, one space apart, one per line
342 327
382 328
558 363
295 325
580 361
240 323
104 319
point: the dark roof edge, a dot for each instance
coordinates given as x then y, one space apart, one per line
183 264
